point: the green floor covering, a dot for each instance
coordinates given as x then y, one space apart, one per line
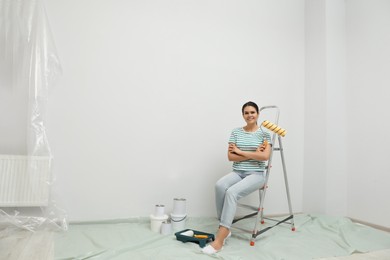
316 236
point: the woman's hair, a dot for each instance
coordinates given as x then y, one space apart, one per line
250 104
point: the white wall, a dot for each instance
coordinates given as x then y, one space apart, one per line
336 126
150 93
368 73
347 75
314 192
325 108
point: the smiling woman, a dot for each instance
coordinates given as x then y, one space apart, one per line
248 150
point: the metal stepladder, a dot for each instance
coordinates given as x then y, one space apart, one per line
259 211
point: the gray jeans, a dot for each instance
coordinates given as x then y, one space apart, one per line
232 187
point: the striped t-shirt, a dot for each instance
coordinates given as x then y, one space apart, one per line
248 141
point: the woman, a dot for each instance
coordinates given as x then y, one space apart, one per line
249 148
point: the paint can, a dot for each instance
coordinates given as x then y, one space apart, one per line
156 222
166 228
178 221
159 210
179 206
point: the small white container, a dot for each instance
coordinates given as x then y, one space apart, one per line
156 222
166 228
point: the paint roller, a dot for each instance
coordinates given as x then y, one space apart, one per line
190 233
274 128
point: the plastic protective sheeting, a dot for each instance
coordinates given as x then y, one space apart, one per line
29 66
316 236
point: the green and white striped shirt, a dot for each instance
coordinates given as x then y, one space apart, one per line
248 141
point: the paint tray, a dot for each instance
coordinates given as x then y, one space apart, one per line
201 241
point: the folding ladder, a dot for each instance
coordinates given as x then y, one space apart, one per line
259 211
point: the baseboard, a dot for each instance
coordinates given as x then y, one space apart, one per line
387 229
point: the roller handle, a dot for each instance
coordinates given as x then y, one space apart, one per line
201 236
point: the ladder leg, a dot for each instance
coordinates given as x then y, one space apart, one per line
286 182
262 212
258 217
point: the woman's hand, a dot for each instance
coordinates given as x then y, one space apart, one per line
262 147
234 149
233 155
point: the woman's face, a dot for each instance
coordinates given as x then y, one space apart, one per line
250 115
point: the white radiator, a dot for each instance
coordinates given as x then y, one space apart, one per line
24 181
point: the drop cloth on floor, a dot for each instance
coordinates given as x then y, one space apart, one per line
316 236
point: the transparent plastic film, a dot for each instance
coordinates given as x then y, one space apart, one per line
29 66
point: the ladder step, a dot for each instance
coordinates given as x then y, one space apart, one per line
244 217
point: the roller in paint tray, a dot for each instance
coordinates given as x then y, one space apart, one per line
194 236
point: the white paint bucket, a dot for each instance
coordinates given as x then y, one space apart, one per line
178 222
156 222
159 210
179 206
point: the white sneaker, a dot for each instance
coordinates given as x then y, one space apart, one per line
210 250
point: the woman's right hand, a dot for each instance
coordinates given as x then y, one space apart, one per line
233 148
233 155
